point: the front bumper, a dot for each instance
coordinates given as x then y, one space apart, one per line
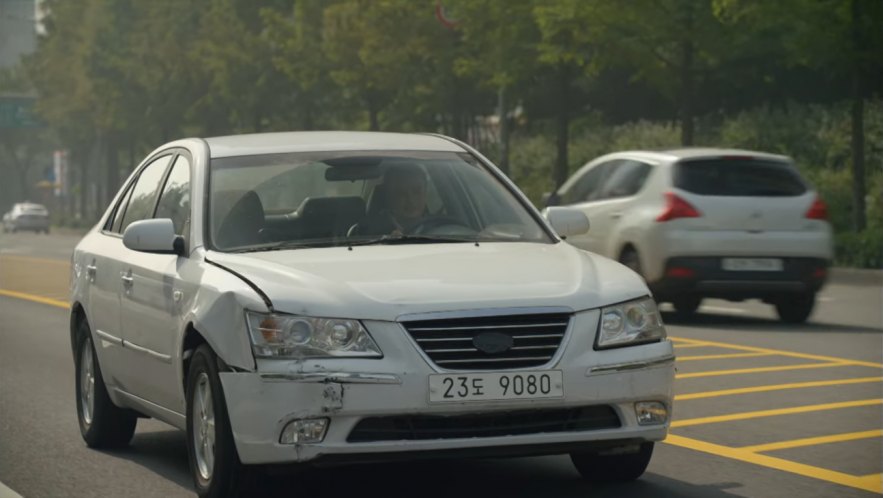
261 403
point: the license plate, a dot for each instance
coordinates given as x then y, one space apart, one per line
752 264
493 386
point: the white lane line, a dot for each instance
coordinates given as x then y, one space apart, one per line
6 492
721 309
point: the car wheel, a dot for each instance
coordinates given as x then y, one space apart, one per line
686 306
214 462
102 424
796 308
597 467
630 258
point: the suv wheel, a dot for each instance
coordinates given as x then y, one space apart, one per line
214 463
630 258
102 424
796 308
687 305
624 467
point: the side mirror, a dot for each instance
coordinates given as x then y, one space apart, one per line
155 235
567 221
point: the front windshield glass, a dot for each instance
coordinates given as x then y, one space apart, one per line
271 201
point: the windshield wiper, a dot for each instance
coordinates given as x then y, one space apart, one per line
408 239
288 244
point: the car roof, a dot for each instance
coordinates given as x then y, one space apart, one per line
672 155
311 141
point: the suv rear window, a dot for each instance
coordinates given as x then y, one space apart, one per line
739 177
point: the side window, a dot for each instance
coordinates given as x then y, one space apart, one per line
143 197
174 202
625 180
588 188
117 220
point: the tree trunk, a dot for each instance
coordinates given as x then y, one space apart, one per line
562 125
686 97
373 116
858 128
503 109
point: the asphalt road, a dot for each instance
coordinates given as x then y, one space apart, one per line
763 410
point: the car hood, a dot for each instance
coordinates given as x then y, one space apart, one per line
387 281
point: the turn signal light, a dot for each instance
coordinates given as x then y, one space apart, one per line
675 207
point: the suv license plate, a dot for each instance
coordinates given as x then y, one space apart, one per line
493 386
752 264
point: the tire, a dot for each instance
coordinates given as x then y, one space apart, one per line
215 466
594 467
796 308
687 305
630 258
102 424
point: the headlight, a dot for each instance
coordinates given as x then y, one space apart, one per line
630 323
292 336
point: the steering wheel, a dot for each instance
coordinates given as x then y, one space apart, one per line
428 225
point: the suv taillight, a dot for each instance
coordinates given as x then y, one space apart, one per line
675 207
818 210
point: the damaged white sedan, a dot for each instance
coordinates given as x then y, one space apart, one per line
332 297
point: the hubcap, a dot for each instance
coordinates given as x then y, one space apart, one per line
87 382
204 427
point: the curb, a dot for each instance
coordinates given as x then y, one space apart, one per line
856 276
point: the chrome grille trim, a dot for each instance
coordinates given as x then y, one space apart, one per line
448 342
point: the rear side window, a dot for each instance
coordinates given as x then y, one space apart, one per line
625 180
588 187
739 177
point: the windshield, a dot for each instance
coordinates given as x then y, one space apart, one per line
271 201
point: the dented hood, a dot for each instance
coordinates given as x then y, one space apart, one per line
383 282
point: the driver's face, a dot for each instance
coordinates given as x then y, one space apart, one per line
407 197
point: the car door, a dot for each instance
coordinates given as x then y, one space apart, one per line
97 258
152 296
582 195
615 203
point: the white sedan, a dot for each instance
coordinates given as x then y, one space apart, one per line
336 297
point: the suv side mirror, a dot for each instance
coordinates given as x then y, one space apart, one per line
155 235
567 221
551 199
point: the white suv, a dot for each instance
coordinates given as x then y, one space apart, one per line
698 223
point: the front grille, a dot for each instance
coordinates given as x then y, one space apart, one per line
449 342
423 427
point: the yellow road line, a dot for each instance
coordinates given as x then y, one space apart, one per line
32 259
35 298
787 353
685 346
721 356
739 371
812 441
775 412
776 387
868 483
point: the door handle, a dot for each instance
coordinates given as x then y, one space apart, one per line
616 214
128 280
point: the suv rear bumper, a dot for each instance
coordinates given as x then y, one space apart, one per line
705 277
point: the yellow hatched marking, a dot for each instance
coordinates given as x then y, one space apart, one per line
721 356
870 483
787 353
773 413
35 298
812 441
685 346
776 387
739 371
